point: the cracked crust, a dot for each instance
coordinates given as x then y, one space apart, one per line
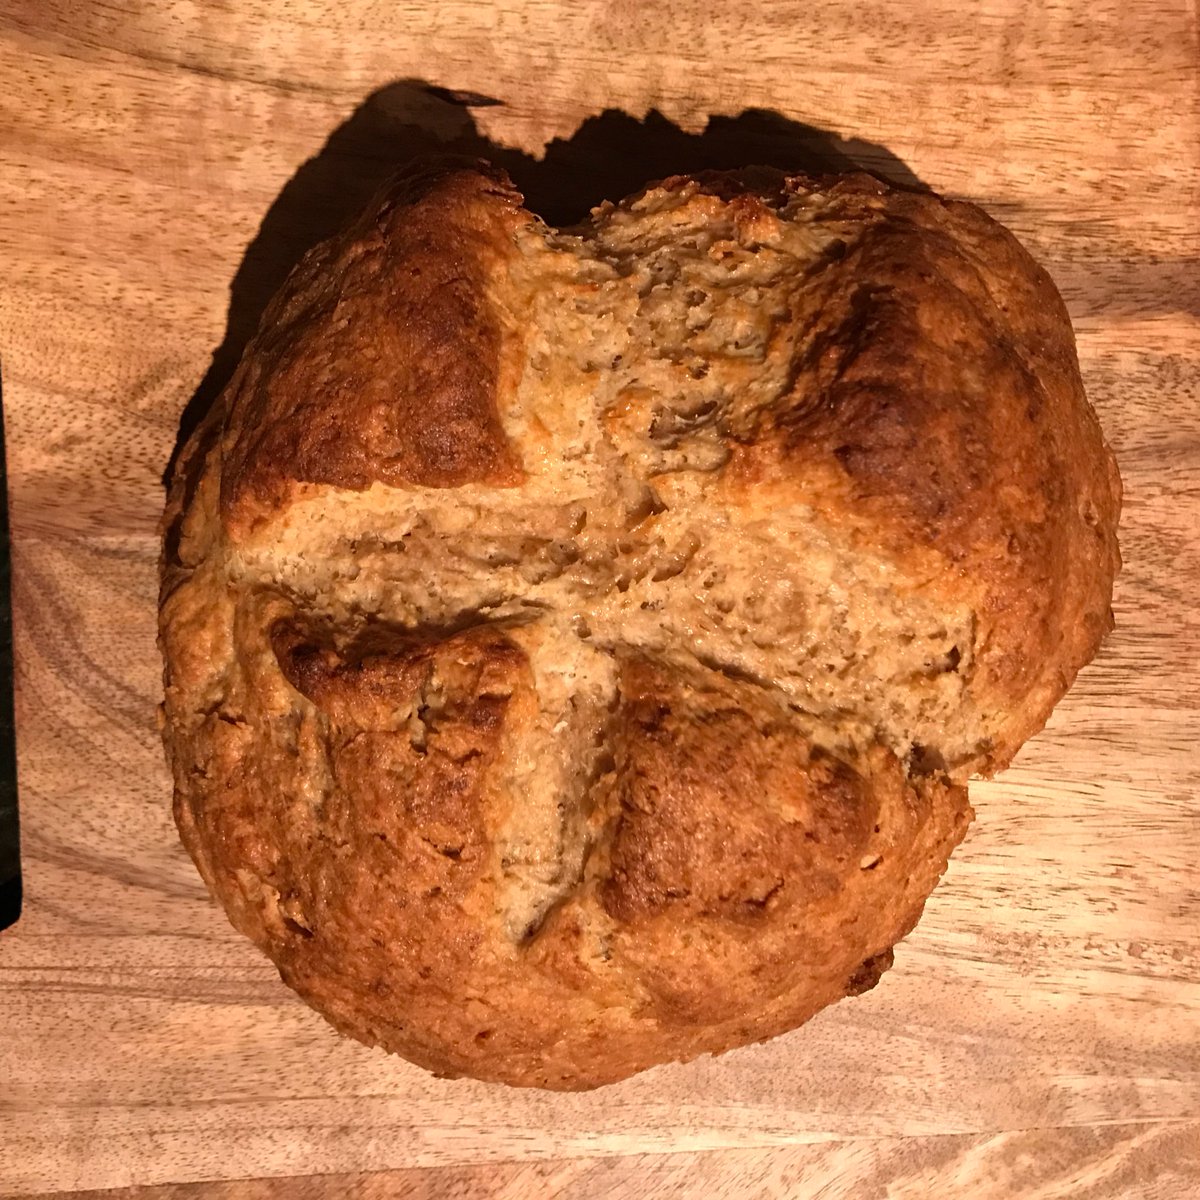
577 642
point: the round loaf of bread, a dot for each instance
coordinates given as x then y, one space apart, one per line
578 641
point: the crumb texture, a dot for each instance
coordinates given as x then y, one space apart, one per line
578 641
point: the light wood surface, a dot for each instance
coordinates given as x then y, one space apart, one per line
1040 1032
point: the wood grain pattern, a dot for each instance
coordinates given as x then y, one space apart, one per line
1158 1159
1040 1033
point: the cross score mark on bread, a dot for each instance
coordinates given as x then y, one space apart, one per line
578 641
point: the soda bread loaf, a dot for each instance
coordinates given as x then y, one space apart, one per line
578 641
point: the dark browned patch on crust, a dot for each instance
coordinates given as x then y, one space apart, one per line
378 360
910 377
869 974
723 814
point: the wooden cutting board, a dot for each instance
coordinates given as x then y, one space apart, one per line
1040 1033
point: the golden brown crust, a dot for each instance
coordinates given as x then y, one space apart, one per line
687 932
577 643
408 281
722 816
941 380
